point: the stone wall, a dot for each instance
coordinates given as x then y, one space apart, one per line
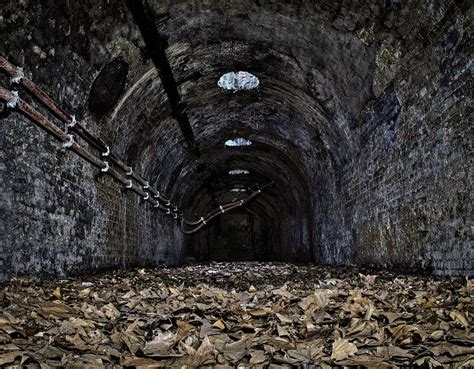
56 217
409 189
362 121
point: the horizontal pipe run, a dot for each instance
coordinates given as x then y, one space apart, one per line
219 211
64 137
163 203
78 128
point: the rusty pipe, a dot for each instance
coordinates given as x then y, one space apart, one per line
78 128
41 121
226 207
218 211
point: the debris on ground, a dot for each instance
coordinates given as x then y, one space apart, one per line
250 314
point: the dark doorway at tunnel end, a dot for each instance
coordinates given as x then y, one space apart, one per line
235 236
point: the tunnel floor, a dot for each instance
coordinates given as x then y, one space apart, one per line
228 314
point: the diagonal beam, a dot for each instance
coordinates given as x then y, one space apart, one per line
156 47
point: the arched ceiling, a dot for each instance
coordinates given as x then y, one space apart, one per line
315 75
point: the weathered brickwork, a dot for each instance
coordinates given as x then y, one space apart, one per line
362 121
56 219
410 187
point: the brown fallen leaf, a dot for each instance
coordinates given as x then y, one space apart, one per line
403 333
57 293
284 319
110 311
318 300
437 335
391 351
219 324
78 343
132 341
55 308
183 327
84 293
8 319
392 316
235 351
169 314
139 362
469 286
452 350
367 279
205 352
282 331
342 349
283 292
311 328
10 357
260 312
459 318
257 357
161 344
356 298
369 311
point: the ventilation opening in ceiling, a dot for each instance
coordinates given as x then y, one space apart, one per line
237 172
237 81
238 142
238 189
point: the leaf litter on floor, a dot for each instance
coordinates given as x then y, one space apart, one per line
253 314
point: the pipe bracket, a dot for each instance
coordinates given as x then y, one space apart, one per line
68 144
18 77
14 100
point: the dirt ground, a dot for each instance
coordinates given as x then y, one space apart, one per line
267 315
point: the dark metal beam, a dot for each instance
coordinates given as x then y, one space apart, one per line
156 45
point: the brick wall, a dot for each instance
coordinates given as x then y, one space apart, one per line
409 189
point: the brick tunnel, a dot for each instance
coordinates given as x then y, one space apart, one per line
343 128
359 121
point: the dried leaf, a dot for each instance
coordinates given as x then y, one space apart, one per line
57 293
205 352
10 357
161 344
257 357
219 324
283 292
84 293
318 300
228 314
284 319
367 279
260 312
437 335
282 331
342 349
235 351
55 308
459 318
110 311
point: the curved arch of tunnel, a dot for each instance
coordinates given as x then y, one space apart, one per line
280 92
269 225
287 118
277 134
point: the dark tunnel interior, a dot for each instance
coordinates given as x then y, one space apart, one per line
236 184
358 124
288 117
